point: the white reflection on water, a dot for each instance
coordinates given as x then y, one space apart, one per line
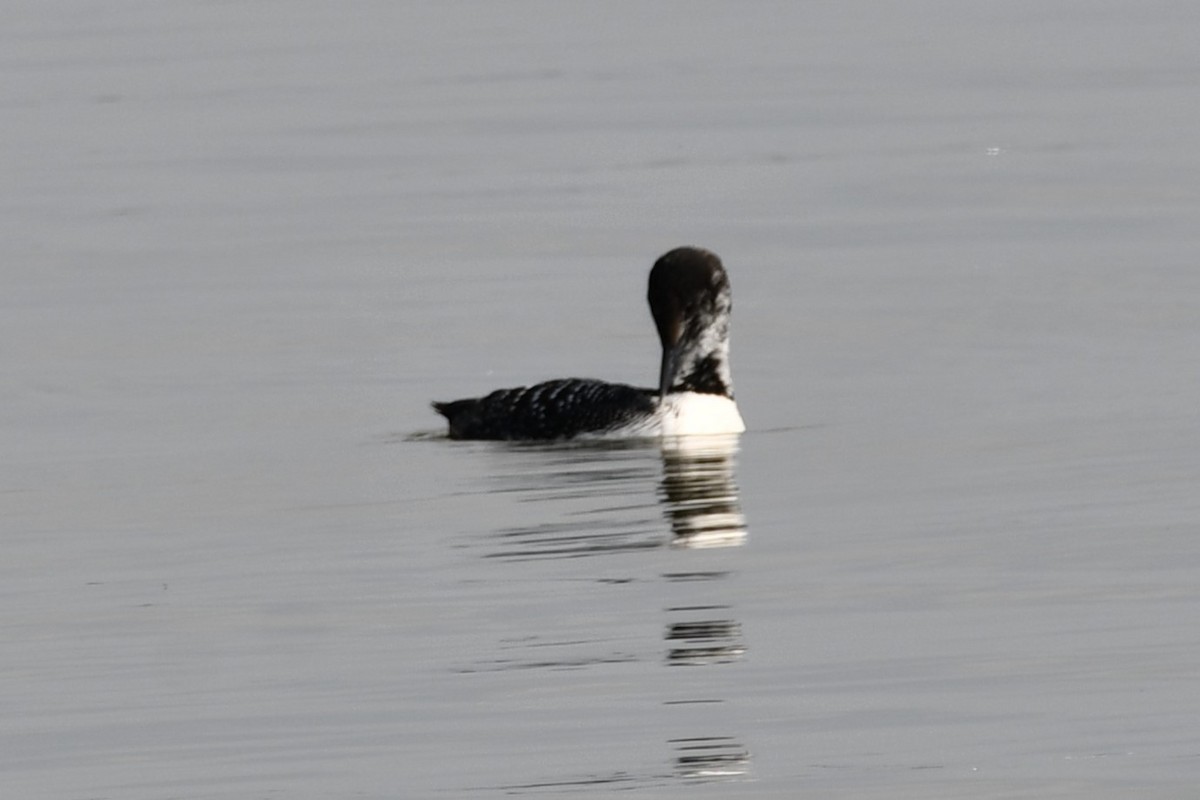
608 503
697 493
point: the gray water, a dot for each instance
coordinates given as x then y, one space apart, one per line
243 245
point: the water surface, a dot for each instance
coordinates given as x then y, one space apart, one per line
243 247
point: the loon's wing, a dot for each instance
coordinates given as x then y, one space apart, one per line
556 409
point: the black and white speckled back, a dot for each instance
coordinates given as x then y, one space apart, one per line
555 409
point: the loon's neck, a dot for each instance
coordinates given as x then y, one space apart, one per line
701 366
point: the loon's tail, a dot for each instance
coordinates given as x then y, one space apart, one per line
463 415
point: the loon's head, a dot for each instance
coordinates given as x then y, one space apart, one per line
690 300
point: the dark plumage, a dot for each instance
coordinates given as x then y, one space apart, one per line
551 410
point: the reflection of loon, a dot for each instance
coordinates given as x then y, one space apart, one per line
690 300
699 491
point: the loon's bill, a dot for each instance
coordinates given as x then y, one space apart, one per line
690 301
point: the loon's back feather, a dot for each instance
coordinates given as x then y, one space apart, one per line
556 409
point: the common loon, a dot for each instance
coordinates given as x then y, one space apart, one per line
690 300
